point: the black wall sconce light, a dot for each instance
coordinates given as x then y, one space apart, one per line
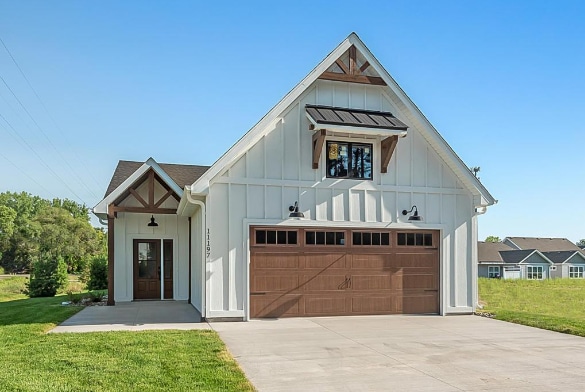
413 217
294 211
152 222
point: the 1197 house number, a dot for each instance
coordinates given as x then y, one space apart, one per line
208 245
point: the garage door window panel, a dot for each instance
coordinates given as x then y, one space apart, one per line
275 237
361 238
415 239
314 237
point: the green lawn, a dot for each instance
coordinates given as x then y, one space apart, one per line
555 304
31 360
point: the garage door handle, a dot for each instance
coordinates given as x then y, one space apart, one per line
258 293
435 290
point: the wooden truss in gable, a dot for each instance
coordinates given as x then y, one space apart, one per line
149 206
351 72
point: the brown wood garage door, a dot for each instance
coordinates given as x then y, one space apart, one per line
326 272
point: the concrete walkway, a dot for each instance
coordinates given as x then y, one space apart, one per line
404 353
134 316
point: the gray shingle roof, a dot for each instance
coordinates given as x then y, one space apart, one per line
354 117
544 244
559 257
181 174
515 256
489 252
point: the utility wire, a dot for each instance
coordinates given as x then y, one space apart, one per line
38 184
47 111
46 137
41 159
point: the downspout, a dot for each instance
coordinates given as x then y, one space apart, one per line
190 246
203 258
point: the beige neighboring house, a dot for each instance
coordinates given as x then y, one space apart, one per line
531 258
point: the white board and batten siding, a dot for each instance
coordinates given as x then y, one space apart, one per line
277 171
131 226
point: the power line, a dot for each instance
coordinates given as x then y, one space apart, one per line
46 137
41 159
29 177
45 107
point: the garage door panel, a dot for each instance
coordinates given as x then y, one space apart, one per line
318 305
274 283
422 303
276 305
325 261
324 282
276 261
374 282
419 281
376 262
373 304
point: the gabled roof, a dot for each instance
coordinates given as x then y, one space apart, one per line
128 172
563 256
501 253
489 252
543 244
266 124
181 174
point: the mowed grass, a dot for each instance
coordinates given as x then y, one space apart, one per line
31 360
554 304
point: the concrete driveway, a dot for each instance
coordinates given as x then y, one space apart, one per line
404 353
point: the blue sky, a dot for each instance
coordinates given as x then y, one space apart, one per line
502 81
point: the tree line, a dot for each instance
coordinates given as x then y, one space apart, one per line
33 229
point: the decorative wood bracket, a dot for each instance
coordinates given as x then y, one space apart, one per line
151 205
318 141
388 147
353 73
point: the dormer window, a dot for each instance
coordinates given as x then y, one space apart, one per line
352 160
349 160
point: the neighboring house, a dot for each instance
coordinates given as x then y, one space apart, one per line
315 211
531 258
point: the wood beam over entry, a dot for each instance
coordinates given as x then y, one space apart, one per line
151 205
388 147
318 141
351 72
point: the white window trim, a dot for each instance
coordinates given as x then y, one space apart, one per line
534 269
576 271
493 270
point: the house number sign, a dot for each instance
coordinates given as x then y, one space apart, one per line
208 244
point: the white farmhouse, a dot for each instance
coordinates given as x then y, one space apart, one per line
342 200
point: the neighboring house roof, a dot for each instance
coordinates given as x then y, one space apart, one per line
563 256
542 244
181 174
489 252
408 109
501 253
354 117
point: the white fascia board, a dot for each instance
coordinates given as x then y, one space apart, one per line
540 254
355 130
102 207
432 135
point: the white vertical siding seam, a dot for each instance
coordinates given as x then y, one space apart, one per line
299 130
231 263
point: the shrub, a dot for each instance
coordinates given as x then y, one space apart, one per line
1 270
46 278
98 274
96 296
75 299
